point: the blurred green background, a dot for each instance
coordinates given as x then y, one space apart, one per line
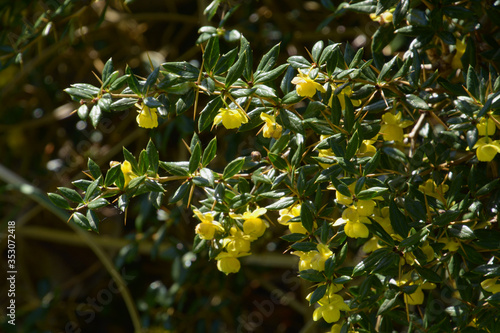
64 281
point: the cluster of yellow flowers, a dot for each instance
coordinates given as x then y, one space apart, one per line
486 148
330 305
237 243
289 213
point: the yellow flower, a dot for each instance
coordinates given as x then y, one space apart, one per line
271 128
371 245
126 168
288 213
392 127
385 17
491 285
147 118
456 62
384 220
207 228
417 297
367 148
342 95
306 87
226 263
354 223
231 118
330 306
431 189
253 226
304 259
486 149
486 126
318 261
237 243
450 244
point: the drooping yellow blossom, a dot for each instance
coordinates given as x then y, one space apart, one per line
354 223
304 259
491 285
392 126
450 244
271 128
417 297
306 87
431 189
287 214
486 127
384 220
371 245
126 168
147 118
227 263
330 306
342 95
319 259
231 118
456 62
237 243
207 228
367 148
336 328
327 153
384 18
486 149
253 225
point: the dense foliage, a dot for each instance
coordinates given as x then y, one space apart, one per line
382 166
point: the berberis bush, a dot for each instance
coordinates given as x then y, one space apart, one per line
383 169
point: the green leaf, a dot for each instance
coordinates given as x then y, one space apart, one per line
312 275
132 81
299 62
269 59
143 162
111 78
95 115
123 104
59 201
209 152
81 221
371 193
271 75
461 231
284 202
118 83
307 216
225 62
428 274
107 70
236 70
180 193
233 168
105 102
70 194
153 156
94 169
176 168
194 160
416 102
352 146
292 121
473 83
318 294
208 114
78 93
317 50
211 54
277 161
135 182
98 203
348 115
398 220
294 237
152 102
83 111
184 102
112 175
182 69
93 220
133 162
